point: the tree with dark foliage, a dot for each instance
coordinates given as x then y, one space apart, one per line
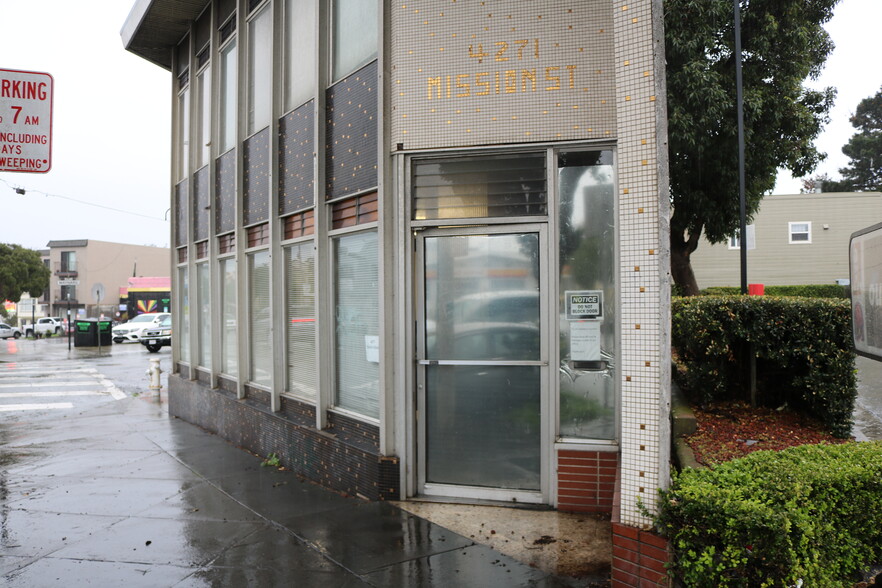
783 44
864 172
21 270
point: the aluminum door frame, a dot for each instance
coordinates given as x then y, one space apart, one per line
508 496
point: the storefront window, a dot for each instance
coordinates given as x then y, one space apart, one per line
229 331
184 314
357 323
587 280
228 97
203 294
300 270
299 52
260 331
260 70
203 117
354 35
183 132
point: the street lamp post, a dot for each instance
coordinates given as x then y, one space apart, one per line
68 321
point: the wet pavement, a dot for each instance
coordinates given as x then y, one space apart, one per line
100 487
868 406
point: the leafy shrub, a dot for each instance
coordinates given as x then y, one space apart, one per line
803 348
810 513
805 291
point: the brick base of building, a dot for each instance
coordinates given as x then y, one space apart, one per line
638 558
344 457
586 480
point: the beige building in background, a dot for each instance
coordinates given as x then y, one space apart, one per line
89 263
794 239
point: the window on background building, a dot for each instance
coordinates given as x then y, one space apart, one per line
68 293
260 328
354 36
68 261
800 232
587 277
203 117
357 323
203 303
300 289
184 314
260 70
300 22
227 98
229 331
735 240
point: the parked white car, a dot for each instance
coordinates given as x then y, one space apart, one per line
130 332
6 331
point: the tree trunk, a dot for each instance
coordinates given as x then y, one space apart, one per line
681 266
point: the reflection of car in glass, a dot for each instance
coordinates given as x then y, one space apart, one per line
155 338
507 306
131 331
6 331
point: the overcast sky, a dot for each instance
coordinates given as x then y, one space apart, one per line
111 135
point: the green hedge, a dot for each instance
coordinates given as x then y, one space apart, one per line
810 513
803 348
805 291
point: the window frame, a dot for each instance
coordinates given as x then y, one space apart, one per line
791 232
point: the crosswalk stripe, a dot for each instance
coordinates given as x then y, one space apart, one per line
48 405
46 384
52 394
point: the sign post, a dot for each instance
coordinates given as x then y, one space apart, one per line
25 121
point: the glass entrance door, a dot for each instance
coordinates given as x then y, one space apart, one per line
482 363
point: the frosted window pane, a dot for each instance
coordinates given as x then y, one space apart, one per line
229 320
204 304
300 84
355 35
259 318
260 70
184 315
227 130
357 327
300 267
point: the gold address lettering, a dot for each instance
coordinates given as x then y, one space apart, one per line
508 81
477 51
434 83
551 78
463 84
528 75
480 83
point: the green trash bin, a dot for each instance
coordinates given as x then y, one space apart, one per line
105 335
86 333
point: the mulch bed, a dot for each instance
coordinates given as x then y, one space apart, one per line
731 430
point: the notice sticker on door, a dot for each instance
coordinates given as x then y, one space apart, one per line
584 305
585 341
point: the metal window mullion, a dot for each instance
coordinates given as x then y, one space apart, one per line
217 317
323 269
242 276
277 261
191 195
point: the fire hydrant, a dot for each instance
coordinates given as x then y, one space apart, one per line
153 373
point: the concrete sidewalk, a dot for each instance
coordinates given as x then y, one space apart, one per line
122 494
